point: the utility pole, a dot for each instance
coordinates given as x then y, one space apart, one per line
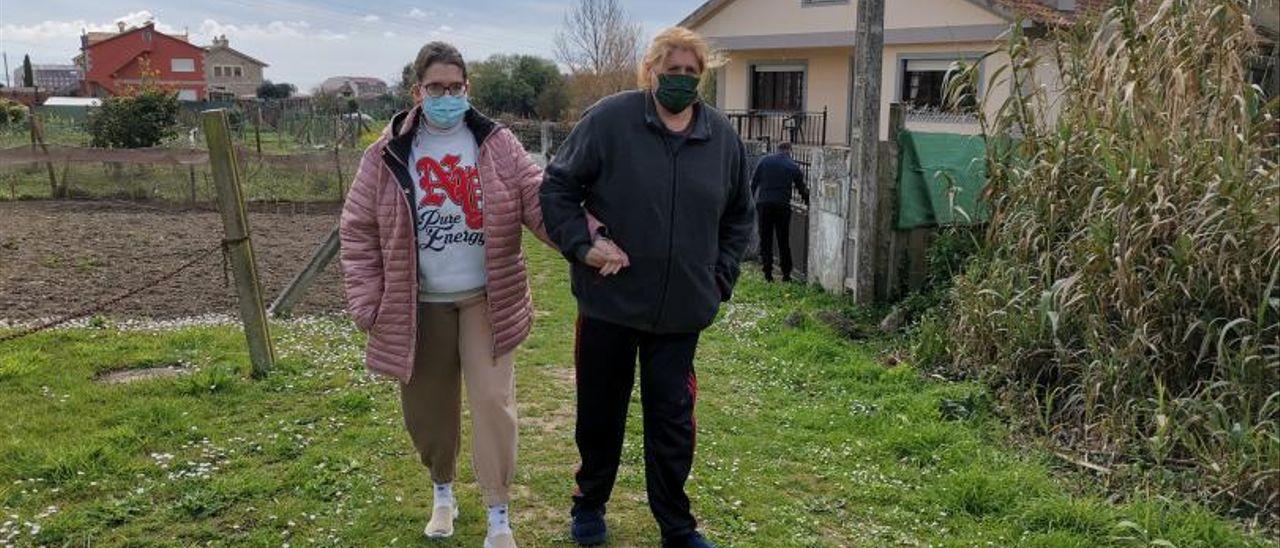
7 83
860 225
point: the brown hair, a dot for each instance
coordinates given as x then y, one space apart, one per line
668 40
437 52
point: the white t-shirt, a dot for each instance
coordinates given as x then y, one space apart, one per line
450 208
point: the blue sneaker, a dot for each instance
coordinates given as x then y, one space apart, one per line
692 540
588 527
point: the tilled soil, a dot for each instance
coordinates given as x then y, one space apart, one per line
57 257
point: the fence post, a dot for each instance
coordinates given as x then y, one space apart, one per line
917 247
887 249
237 242
337 166
37 136
257 130
283 304
66 183
191 172
546 138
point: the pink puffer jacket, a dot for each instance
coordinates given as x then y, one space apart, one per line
379 257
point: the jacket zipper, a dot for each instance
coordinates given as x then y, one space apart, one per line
413 214
484 229
413 262
672 155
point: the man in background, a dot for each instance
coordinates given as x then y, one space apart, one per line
775 176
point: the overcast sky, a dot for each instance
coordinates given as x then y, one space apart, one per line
306 41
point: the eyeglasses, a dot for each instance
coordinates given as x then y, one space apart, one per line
439 90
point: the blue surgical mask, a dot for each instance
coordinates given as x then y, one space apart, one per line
445 111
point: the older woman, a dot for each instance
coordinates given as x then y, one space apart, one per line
435 275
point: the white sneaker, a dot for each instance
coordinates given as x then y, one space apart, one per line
441 524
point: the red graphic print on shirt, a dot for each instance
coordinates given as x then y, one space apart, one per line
460 184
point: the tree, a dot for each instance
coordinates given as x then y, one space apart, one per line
28 76
521 85
269 90
600 43
407 80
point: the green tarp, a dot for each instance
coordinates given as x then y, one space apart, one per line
941 179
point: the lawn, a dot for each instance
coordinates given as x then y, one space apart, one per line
805 439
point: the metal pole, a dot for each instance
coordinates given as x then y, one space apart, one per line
824 126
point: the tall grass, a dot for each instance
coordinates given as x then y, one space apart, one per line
1127 292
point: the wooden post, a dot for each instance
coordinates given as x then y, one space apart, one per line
360 129
191 172
546 139
65 185
887 263
235 224
284 304
337 167
860 227
257 130
37 136
917 248
337 128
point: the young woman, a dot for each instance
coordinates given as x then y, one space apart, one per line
435 275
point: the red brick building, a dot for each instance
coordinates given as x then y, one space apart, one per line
112 63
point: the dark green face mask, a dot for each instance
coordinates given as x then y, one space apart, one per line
677 91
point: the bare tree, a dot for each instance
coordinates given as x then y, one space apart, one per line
600 44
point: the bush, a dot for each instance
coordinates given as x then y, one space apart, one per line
12 112
144 119
1127 290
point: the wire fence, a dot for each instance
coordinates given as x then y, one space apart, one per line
290 151
105 304
179 176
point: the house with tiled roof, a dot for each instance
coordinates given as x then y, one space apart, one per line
788 64
114 63
231 73
354 86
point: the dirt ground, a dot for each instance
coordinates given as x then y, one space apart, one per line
56 257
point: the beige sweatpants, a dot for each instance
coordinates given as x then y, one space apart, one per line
455 342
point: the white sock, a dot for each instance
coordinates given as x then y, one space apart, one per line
499 520
444 495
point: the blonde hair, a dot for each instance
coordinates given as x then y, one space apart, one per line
672 39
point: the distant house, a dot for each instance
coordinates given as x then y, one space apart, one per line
354 86
790 62
112 63
58 79
795 56
230 73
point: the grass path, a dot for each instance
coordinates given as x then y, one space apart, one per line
804 440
